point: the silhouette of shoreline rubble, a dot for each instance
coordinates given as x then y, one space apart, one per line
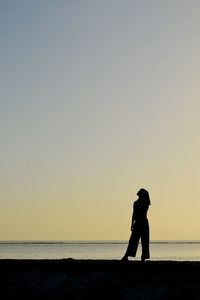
98 279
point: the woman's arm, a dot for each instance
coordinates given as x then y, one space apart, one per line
133 218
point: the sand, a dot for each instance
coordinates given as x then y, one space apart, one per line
99 279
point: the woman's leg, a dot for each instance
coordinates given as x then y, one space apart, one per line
145 241
133 242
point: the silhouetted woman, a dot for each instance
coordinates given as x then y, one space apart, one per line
139 227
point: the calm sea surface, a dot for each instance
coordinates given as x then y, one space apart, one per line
160 250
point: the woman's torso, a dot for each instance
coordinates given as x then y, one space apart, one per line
140 210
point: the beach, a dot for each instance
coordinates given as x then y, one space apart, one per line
99 279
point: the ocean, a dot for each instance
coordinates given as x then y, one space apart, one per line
160 250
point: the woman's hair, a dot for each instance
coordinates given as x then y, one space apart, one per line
144 195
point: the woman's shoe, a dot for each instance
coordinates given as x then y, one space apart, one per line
124 259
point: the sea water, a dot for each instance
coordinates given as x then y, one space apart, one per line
160 250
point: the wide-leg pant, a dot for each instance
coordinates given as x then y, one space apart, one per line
140 231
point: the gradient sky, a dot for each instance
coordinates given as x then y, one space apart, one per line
99 98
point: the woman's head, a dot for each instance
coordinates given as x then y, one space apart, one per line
144 195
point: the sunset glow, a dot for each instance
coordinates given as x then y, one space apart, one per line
99 99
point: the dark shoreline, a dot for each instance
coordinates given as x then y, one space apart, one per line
98 279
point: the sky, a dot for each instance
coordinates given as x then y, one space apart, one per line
99 98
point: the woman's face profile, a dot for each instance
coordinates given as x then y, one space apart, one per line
141 192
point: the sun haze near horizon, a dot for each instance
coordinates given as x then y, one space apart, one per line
99 99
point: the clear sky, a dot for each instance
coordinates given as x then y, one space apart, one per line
99 98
